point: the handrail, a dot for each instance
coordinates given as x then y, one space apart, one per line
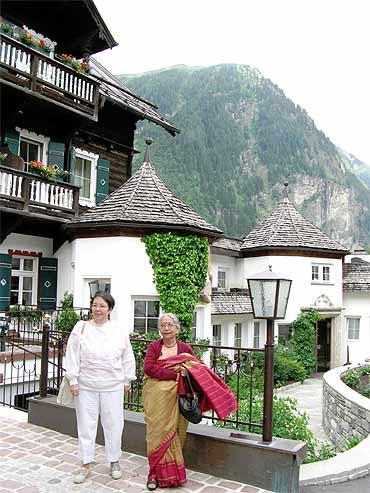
31 70
35 176
32 190
46 58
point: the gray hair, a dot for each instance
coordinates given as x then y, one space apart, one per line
170 315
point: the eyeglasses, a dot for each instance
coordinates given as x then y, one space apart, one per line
168 324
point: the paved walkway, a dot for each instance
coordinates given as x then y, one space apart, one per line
309 397
38 460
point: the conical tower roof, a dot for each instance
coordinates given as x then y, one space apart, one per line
286 228
144 201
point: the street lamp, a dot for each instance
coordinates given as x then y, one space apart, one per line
269 294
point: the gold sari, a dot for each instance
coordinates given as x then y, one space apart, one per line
166 432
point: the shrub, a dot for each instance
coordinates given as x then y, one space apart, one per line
287 422
67 317
303 341
358 379
287 369
352 378
352 442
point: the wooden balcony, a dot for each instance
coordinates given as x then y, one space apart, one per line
31 71
30 194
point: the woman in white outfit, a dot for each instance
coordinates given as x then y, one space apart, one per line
100 365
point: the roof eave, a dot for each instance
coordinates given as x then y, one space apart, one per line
292 248
171 129
100 21
119 225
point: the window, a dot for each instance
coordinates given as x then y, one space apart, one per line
32 147
320 273
30 150
23 281
353 328
315 273
194 327
284 332
84 175
238 335
221 279
326 273
146 314
216 335
256 335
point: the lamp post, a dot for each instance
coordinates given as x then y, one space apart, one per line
269 294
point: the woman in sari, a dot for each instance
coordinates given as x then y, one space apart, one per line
167 360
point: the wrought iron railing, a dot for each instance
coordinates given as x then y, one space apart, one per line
28 69
32 365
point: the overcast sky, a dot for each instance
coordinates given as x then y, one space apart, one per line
317 51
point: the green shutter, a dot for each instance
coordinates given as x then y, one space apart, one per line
48 274
5 272
56 154
102 179
12 139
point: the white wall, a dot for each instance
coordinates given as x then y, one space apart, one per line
17 241
358 305
123 261
65 270
232 266
303 292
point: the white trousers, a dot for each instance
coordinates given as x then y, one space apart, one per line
109 405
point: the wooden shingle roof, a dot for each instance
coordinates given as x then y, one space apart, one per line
144 201
112 88
286 228
356 276
230 303
233 244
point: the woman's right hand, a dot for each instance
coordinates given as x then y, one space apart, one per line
75 390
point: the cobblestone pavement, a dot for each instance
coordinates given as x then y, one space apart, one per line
37 460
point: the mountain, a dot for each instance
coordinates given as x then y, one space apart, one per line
241 139
358 167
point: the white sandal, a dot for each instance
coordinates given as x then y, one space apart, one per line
115 470
82 474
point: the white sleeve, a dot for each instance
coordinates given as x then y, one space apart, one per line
72 357
128 361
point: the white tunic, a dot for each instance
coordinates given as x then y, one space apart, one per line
99 357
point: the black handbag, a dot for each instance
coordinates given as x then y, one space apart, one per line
189 404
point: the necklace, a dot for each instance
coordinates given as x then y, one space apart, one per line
172 345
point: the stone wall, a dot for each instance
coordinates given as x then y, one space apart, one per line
346 413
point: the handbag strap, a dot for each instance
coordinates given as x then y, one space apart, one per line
188 379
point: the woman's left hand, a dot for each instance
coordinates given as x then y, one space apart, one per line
127 389
183 372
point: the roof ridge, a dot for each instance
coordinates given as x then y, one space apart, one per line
291 218
275 229
164 197
133 193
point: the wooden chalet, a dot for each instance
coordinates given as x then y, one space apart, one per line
67 124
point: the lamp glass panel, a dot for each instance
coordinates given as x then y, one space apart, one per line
263 293
283 298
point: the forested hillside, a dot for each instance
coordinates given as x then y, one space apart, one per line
241 138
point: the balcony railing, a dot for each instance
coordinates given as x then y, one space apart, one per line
29 69
31 193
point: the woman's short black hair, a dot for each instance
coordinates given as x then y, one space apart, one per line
108 298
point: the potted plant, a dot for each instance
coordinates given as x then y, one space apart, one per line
50 172
79 66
